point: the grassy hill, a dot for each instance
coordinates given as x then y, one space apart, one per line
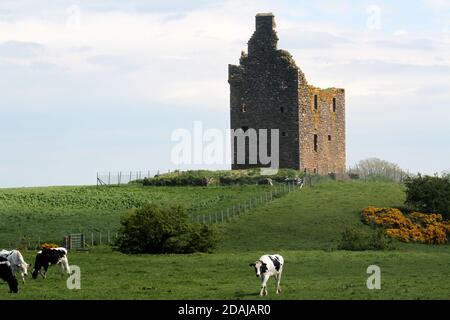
313 218
30 214
303 226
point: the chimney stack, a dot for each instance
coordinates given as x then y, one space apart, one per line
265 22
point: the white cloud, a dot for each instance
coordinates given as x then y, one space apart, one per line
182 58
399 33
20 49
438 4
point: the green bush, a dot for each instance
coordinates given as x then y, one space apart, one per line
428 193
357 240
222 177
156 229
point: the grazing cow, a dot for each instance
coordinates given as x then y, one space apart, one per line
266 266
7 275
48 257
18 264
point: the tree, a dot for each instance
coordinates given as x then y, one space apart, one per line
377 169
429 193
157 229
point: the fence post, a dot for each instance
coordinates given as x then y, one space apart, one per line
92 239
100 240
109 178
109 237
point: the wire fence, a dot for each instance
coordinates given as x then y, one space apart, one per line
227 214
118 178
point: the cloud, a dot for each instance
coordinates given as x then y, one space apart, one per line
399 33
312 40
127 63
21 49
438 4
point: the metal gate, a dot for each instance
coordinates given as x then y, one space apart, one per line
75 241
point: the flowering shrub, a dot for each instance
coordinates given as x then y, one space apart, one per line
415 227
46 245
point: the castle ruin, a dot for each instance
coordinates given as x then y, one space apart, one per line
269 91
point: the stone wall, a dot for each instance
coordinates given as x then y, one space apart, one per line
328 125
263 91
269 91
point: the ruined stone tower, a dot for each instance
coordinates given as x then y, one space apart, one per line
269 91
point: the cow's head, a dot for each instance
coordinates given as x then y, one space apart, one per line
260 267
23 267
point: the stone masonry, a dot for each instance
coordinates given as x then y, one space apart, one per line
269 91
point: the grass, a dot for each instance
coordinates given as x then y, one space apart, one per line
30 214
302 226
308 274
311 219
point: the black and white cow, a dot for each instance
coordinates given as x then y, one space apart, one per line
6 274
267 266
18 264
48 257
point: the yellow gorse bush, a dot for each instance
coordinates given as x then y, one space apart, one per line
48 246
415 227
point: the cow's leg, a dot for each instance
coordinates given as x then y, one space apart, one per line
264 279
278 282
262 286
64 266
61 268
45 271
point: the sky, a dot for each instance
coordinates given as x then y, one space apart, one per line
89 86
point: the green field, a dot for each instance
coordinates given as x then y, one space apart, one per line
48 214
303 226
